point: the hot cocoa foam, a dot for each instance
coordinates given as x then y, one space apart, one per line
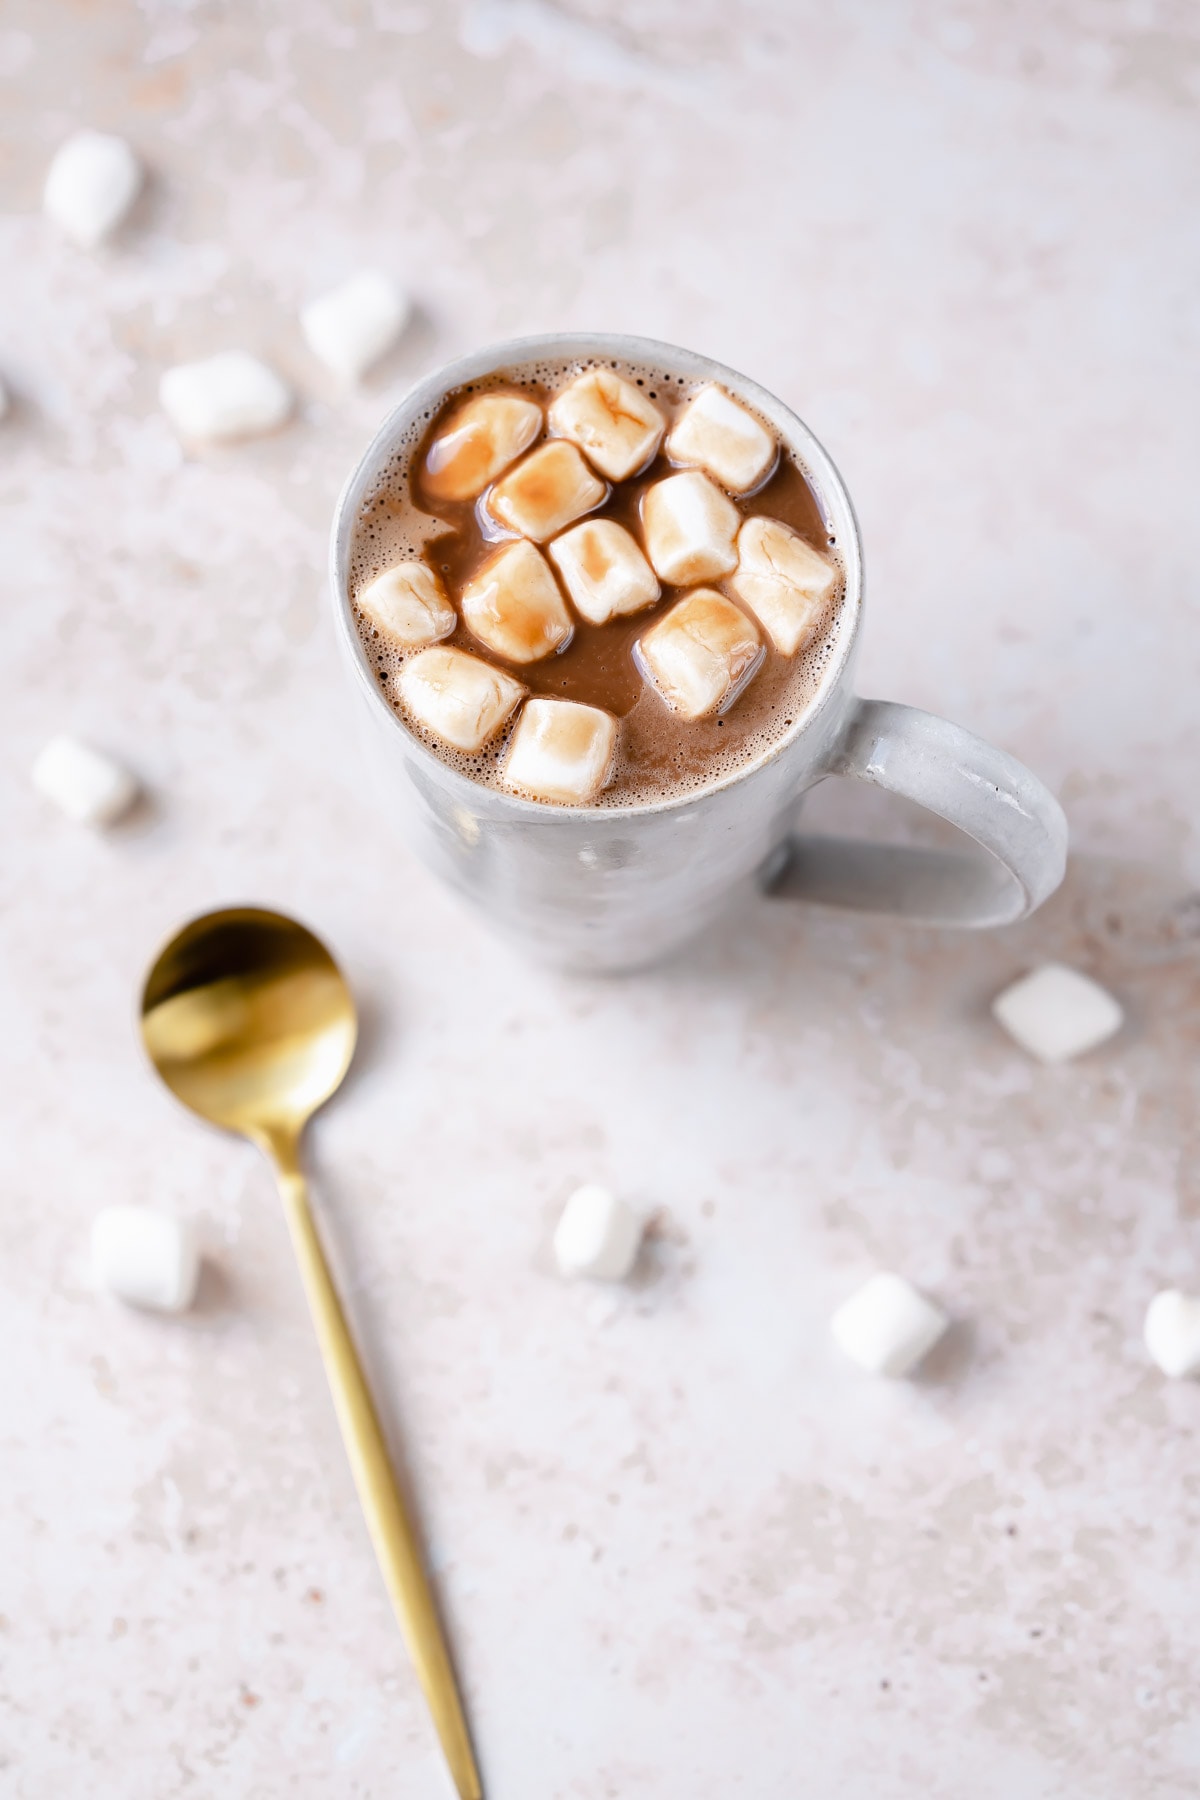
659 755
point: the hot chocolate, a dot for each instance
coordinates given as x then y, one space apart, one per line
638 545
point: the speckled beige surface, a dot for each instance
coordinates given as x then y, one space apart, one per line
684 1549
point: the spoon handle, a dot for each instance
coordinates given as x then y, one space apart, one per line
387 1521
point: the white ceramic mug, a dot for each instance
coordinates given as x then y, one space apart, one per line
591 888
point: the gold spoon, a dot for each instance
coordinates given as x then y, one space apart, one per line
250 1023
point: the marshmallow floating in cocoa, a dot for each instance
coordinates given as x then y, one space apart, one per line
701 654
477 442
561 751
547 491
783 582
458 697
613 422
714 433
407 604
691 528
514 606
603 570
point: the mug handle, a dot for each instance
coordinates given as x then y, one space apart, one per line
987 794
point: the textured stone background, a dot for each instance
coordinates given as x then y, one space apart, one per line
684 1550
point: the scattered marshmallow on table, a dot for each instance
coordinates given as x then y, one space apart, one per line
89 787
354 325
224 397
690 528
145 1258
1056 1013
1172 1333
408 604
887 1327
717 434
597 1236
91 184
460 698
612 422
701 654
562 751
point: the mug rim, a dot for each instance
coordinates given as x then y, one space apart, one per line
435 388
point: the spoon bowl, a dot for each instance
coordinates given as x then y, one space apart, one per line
250 1023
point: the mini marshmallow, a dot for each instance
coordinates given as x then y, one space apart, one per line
352 327
91 184
457 697
597 1236
690 529
614 425
145 1258
408 604
1172 1333
227 396
887 1327
701 654
1056 1013
713 432
89 787
782 581
513 605
478 441
604 571
545 492
561 750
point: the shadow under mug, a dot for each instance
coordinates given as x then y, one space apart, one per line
598 889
